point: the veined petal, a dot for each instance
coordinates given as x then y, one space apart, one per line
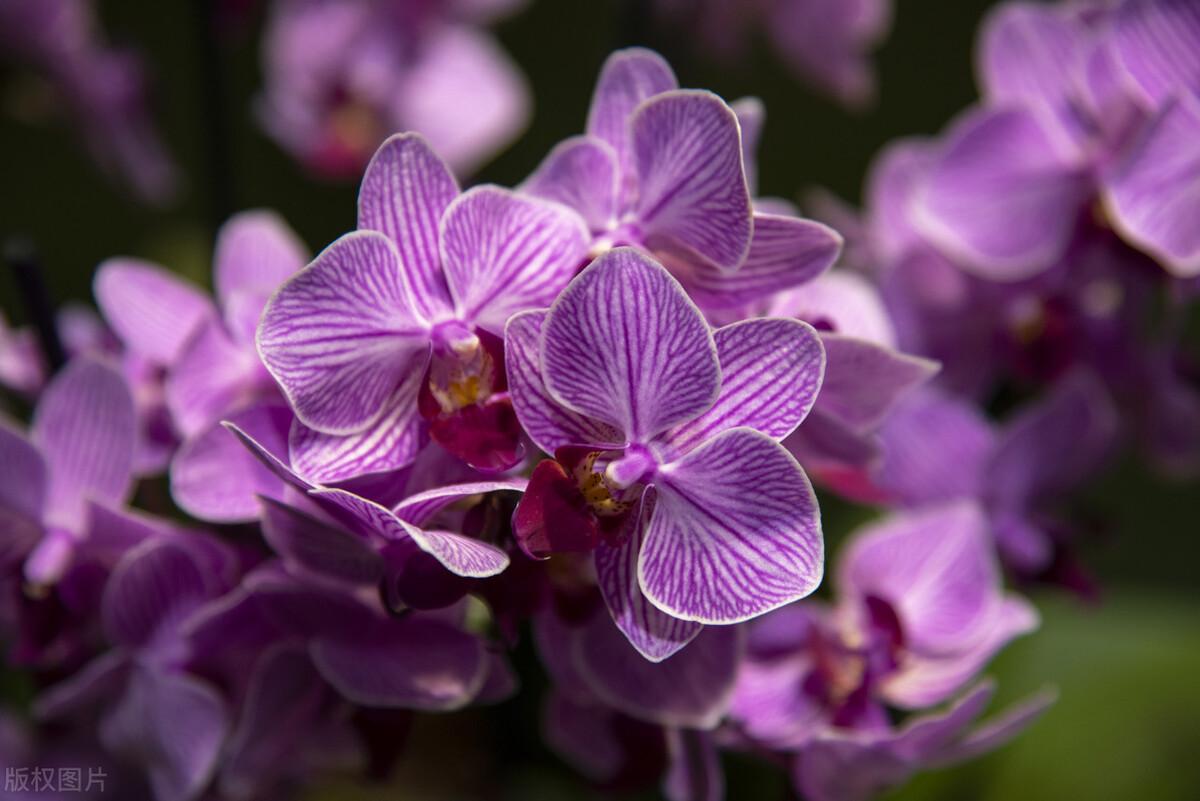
692 197
692 689
405 191
23 477
215 478
580 172
547 422
655 634
735 532
256 251
319 547
422 507
1000 197
1153 196
627 78
864 380
1157 43
624 344
151 310
341 335
459 554
212 374
997 730
771 371
85 427
416 663
504 253
785 252
936 568
388 444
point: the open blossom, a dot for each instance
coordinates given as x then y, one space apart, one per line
79 450
663 169
667 462
343 75
399 323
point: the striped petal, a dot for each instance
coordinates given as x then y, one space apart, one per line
152 311
785 252
628 77
151 590
1157 43
256 251
1000 197
341 335
388 444
864 381
625 345
214 477
405 191
936 568
771 371
580 172
318 547
548 423
654 634
1154 195
692 198
422 507
504 253
23 477
211 376
85 427
691 689
735 533
459 554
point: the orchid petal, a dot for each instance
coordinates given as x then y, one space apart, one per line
422 507
214 478
23 477
504 253
655 634
785 252
627 78
85 428
735 532
151 590
459 554
152 311
694 773
864 381
1154 195
211 376
405 191
1157 43
319 547
341 335
692 198
256 251
582 173
771 371
548 423
643 367
999 198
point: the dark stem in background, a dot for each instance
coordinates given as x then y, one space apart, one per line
22 259
212 79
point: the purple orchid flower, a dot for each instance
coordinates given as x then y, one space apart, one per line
852 767
823 43
667 463
79 450
920 610
662 168
399 322
341 76
104 89
153 592
938 448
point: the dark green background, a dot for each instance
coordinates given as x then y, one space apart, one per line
1128 722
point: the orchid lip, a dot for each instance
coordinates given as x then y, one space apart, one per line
636 465
454 336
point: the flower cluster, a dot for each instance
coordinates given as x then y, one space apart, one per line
589 410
